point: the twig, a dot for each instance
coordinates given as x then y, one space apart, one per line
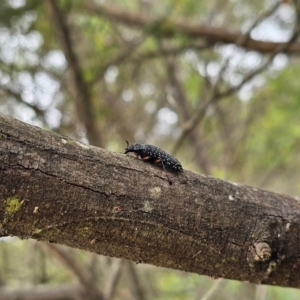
281 48
119 58
135 286
213 289
83 100
211 34
182 102
41 292
79 272
215 95
170 51
113 279
39 112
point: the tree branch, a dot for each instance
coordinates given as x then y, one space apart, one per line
169 28
195 136
56 189
137 291
83 101
41 292
89 289
215 95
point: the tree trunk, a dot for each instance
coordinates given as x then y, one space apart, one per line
55 189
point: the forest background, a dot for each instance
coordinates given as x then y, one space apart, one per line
213 83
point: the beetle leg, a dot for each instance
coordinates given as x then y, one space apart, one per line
170 182
146 158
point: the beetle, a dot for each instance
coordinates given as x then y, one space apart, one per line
156 156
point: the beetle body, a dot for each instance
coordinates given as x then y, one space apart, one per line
155 156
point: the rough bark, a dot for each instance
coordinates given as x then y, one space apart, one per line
55 189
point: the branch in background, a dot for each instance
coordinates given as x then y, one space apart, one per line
39 112
182 102
240 42
170 28
83 99
89 289
134 282
127 52
113 278
215 287
188 126
170 51
41 292
261 292
280 48
214 95
91 266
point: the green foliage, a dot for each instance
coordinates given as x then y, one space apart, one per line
274 134
27 256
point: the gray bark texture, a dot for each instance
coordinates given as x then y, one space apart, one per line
55 189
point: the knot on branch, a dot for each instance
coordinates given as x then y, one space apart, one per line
263 252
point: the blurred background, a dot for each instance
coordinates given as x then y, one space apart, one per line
211 82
